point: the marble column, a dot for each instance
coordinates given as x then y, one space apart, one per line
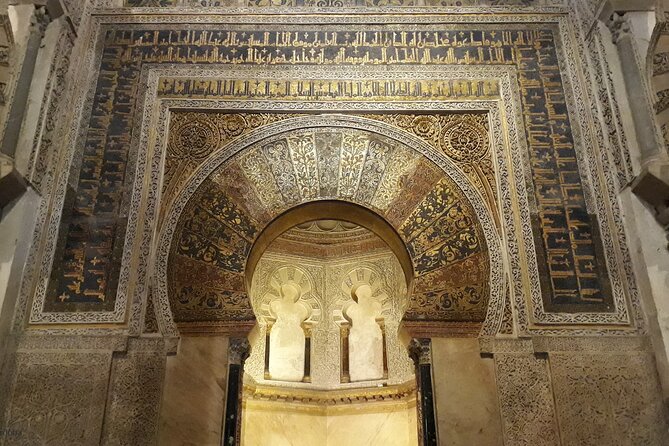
420 351
238 351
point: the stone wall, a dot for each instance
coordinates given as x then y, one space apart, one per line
83 391
539 391
194 392
579 391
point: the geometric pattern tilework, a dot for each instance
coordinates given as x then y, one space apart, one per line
227 212
93 225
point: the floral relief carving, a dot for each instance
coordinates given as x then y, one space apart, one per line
135 393
608 399
68 406
526 400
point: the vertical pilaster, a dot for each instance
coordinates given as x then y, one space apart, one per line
642 110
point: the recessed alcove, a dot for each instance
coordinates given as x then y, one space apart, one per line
328 359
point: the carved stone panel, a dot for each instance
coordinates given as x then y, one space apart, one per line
526 402
608 399
135 395
57 398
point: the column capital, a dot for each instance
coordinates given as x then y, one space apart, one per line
619 25
420 351
238 350
39 20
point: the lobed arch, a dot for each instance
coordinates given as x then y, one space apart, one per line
413 196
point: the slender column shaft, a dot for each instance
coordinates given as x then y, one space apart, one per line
421 354
238 351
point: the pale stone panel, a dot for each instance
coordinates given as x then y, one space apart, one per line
372 425
465 394
194 392
279 425
15 229
57 398
608 399
366 338
526 400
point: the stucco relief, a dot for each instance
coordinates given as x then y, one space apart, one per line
56 398
135 390
365 339
526 400
287 339
329 293
610 398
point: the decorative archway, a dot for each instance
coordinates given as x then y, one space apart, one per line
440 220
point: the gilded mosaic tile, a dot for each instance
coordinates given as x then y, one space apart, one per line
422 179
460 246
93 229
462 137
438 201
471 270
241 192
225 210
400 166
196 135
280 163
329 144
369 157
378 153
322 89
305 162
453 220
256 168
455 304
207 290
208 239
351 159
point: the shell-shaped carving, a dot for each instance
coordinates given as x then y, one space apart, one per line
272 290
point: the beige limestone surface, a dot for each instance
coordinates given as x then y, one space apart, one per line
365 341
194 393
465 394
370 424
